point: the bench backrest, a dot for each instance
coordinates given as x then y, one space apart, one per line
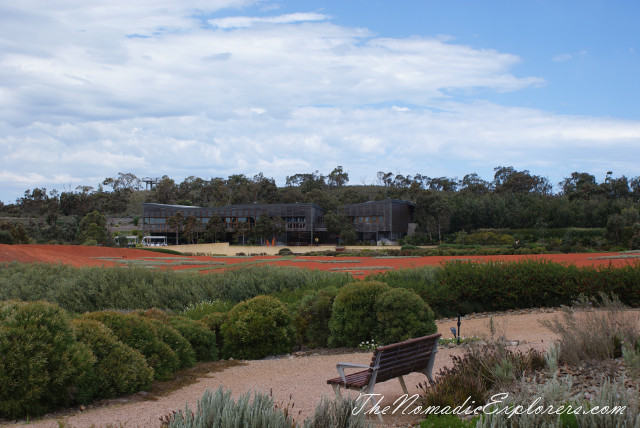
402 358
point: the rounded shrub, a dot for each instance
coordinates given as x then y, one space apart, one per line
201 338
313 315
176 342
119 369
256 328
202 309
214 322
42 366
353 319
139 333
401 315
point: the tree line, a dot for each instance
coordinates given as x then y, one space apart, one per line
513 199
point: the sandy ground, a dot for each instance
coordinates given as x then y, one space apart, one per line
302 380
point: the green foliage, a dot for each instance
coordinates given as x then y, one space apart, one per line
313 315
176 342
139 333
119 369
485 238
98 288
19 234
93 227
200 310
575 328
402 315
201 338
41 364
218 409
214 323
256 328
448 421
353 318
474 374
337 413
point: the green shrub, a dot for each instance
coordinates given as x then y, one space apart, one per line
214 322
155 313
119 369
129 288
257 328
448 421
202 309
575 328
140 334
218 409
42 366
313 315
353 319
176 342
402 315
476 372
337 413
201 338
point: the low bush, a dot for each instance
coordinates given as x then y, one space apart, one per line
214 323
337 413
176 342
140 334
218 409
119 369
256 328
474 374
42 366
201 338
312 317
608 318
401 315
353 319
129 288
202 309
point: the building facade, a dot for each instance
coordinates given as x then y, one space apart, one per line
303 222
389 219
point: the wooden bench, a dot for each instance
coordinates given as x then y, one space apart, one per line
388 362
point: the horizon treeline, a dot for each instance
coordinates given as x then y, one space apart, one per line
513 199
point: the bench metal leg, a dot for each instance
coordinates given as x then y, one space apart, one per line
404 387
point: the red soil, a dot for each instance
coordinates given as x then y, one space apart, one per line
358 266
76 255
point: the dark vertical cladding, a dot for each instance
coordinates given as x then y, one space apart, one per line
386 219
303 221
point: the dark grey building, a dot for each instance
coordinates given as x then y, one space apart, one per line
376 220
304 222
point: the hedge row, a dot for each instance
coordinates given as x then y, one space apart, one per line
51 360
468 286
100 288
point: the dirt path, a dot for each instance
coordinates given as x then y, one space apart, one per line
302 380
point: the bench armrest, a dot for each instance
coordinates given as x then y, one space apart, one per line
342 366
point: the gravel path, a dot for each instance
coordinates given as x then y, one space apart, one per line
301 380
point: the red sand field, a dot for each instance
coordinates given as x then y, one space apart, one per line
358 266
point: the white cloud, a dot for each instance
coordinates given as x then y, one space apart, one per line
249 21
91 89
569 56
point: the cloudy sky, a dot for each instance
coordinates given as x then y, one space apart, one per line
210 88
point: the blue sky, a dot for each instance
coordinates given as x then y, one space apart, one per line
210 88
